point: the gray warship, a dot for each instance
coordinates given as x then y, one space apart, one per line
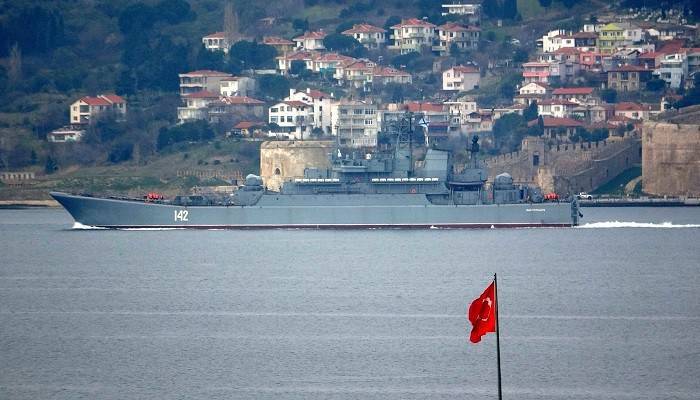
381 189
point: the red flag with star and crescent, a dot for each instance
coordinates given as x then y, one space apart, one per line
482 314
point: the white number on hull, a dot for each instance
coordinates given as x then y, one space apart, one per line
181 215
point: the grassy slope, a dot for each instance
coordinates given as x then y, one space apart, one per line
617 185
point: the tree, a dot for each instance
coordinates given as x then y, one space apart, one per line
50 166
122 151
14 72
510 9
231 25
251 55
340 43
274 86
508 131
655 85
298 68
545 3
609 95
391 21
300 25
530 113
213 60
195 131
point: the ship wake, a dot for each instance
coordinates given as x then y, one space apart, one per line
625 224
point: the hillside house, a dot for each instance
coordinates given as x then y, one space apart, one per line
461 78
560 128
233 108
634 111
628 78
370 36
87 108
321 106
294 119
412 35
237 86
201 80
311 40
216 42
579 95
65 134
195 106
555 108
470 11
355 123
460 36
673 69
283 46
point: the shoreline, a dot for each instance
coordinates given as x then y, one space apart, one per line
20 204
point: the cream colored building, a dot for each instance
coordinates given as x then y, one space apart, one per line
412 35
461 78
85 109
355 123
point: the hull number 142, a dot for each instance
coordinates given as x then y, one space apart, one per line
181 215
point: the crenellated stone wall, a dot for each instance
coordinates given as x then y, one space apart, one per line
284 160
671 153
567 168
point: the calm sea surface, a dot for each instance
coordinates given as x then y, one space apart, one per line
607 311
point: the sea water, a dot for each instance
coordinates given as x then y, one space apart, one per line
610 310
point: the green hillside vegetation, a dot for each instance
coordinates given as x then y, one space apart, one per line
52 53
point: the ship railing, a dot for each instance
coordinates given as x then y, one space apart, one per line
316 180
405 180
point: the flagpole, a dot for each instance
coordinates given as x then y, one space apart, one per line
498 339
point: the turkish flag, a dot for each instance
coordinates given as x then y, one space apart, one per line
482 314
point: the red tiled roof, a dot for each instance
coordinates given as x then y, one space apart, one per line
585 35
275 40
466 69
363 28
207 72
242 100
553 102
567 50
388 71
216 35
95 101
552 122
651 54
315 94
413 22
311 35
415 106
629 106
203 94
454 27
629 68
248 125
296 103
113 98
573 90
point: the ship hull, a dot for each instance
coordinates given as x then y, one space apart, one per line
406 211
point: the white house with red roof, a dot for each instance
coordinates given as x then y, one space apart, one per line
234 108
462 36
237 86
294 119
201 80
85 109
321 106
311 40
412 35
556 108
282 45
632 110
579 95
65 134
216 42
559 128
195 106
372 37
461 78
470 11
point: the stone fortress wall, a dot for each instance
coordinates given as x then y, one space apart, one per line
671 153
567 168
284 160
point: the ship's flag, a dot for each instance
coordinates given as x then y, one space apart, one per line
482 314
